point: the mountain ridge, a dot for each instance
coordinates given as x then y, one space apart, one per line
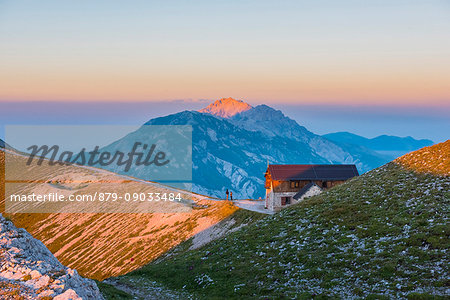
257 145
232 153
380 143
222 152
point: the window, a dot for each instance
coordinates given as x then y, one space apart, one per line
325 184
294 184
285 200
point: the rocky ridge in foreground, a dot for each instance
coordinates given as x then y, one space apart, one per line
28 270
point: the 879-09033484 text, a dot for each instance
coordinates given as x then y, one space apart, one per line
97 196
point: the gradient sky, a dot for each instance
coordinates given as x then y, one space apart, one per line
306 52
369 121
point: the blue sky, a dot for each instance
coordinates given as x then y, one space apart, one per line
368 67
338 52
369 121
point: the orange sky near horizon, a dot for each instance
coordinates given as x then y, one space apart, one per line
338 88
377 53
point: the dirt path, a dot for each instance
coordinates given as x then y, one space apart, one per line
253 205
141 288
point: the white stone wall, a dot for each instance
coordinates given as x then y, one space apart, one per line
273 200
314 190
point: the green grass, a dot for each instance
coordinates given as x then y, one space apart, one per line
111 293
240 217
382 235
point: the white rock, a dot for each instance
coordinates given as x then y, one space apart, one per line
38 283
35 274
23 255
68 295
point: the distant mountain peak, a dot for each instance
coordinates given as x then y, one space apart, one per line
226 107
380 143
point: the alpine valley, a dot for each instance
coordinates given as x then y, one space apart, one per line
232 143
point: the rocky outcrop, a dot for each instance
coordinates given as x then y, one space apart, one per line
28 270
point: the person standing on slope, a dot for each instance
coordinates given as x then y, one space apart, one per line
227 193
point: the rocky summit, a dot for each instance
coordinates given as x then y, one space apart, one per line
28 270
226 107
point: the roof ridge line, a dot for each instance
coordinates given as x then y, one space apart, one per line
317 177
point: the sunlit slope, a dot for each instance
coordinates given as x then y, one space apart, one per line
433 160
104 245
383 234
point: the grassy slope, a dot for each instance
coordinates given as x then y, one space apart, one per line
140 286
384 234
111 293
103 245
238 219
433 160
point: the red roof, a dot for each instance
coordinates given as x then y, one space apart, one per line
312 172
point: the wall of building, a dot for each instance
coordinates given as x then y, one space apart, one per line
285 186
273 200
278 189
314 190
334 183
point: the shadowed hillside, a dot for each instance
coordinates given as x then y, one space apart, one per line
381 235
100 245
